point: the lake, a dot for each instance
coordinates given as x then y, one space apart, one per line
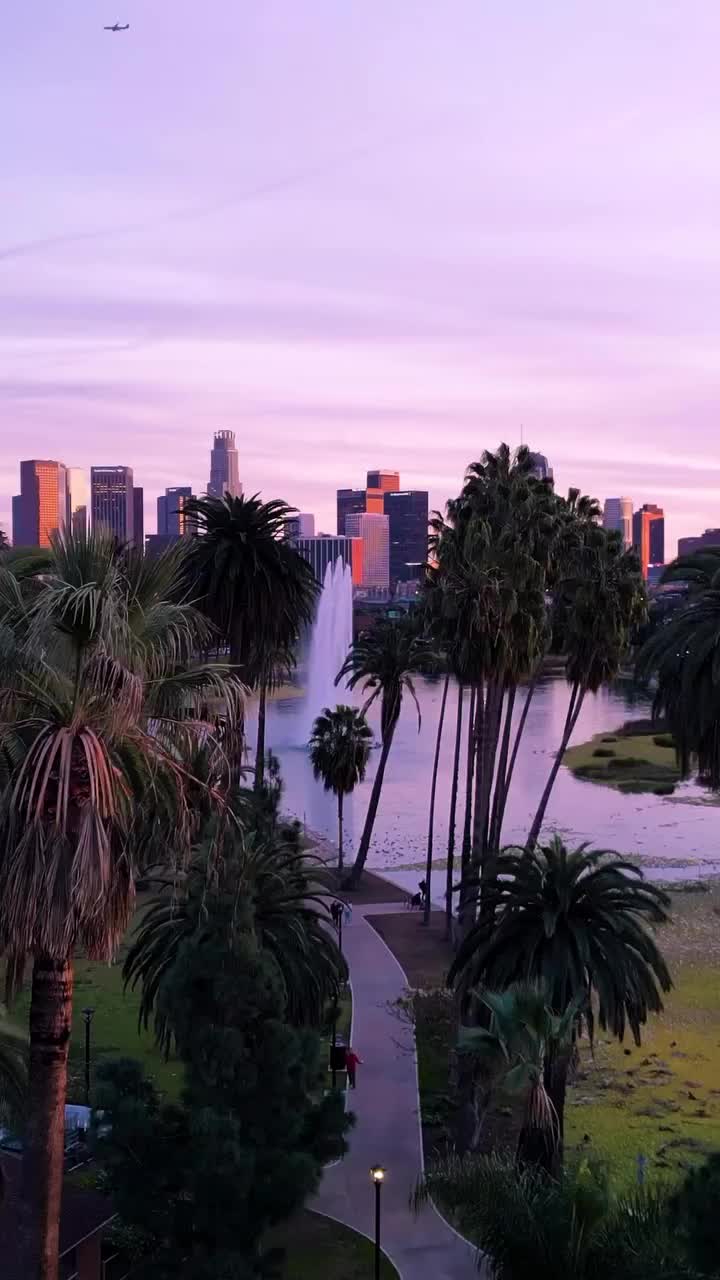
674 836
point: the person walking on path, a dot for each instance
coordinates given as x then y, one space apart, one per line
352 1061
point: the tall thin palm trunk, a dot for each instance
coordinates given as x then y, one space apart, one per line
485 770
516 747
358 866
577 698
260 748
340 831
433 790
500 773
467 822
453 811
43 1158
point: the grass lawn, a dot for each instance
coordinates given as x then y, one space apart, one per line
662 1100
628 762
320 1247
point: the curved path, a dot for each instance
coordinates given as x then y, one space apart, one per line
387 1131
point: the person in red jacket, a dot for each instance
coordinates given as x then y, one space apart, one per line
351 1062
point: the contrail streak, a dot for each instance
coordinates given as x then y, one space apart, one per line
286 183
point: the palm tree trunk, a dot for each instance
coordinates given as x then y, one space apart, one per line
451 820
358 866
544 1147
487 751
467 823
43 1159
516 746
433 789
577 698
499 793
260 748
340 831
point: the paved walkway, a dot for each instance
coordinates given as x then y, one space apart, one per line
387 1129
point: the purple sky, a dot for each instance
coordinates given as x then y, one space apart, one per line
364 233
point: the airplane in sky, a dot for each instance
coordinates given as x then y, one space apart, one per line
117 27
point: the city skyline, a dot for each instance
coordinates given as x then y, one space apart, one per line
392 230
165 520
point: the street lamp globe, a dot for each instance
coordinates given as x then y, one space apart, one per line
377 1173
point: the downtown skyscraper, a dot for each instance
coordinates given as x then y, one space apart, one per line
407 512
224 472
112 501
41 507
618 514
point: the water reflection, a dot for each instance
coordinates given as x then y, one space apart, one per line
662 830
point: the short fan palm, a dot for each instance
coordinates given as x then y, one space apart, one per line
339 749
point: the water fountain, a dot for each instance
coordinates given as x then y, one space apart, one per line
331 638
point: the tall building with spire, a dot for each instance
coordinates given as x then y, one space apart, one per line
224 473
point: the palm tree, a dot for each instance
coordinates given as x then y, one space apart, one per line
95 728
684 656
495 579
701 569
384 660
285 898
599 603
576 921
255 586
513 1052
339 751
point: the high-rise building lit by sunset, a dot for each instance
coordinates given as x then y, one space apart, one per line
374 529
112 501
224 468
41 507
618 514
649 537
386 481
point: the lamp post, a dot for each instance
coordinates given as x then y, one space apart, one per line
377 1173
88 1016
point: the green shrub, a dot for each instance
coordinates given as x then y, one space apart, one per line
665 789
664 740
694 1211
609 737
627 762
604 753
574 1229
